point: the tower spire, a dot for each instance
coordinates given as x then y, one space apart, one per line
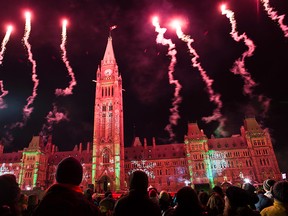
109 57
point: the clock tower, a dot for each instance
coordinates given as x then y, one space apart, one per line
108 137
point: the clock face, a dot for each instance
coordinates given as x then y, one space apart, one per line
108 72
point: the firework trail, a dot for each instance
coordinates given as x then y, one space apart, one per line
239 64
27 109
68 90
274 16
214 97
3 47
173 119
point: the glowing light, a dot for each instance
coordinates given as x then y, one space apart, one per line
214 97
65 22
246 180
68 90
274 16
143 166
187 182
239 65
173 119
27 110
28 187
176 23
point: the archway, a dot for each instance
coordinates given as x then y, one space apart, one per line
104 184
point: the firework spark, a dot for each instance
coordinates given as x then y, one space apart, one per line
3 48
69 89
173 119
27 110
274 16
214 97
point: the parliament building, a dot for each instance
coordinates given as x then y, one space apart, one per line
107 164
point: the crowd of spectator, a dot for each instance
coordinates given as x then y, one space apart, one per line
66 197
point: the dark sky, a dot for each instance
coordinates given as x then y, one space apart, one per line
144 67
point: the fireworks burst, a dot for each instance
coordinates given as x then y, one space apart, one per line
173 119
69 89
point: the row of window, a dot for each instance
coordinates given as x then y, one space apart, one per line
264 162
262 151
259 142
107 91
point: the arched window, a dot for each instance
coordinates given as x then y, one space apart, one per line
106 157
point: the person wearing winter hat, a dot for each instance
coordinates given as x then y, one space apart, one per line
137 201
280 205
236 203
267 186
66 197
266 197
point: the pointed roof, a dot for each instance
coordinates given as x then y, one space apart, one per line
109 57
250 124
194 131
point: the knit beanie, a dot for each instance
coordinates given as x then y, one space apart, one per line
237 197
69 171
267 184
280 191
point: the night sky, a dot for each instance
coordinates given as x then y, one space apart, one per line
143 65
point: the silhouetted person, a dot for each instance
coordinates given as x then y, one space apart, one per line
280 205
237 203
187 203
9 195
165 203
107 204
253 198
66 197
137 201
33 202
203 197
